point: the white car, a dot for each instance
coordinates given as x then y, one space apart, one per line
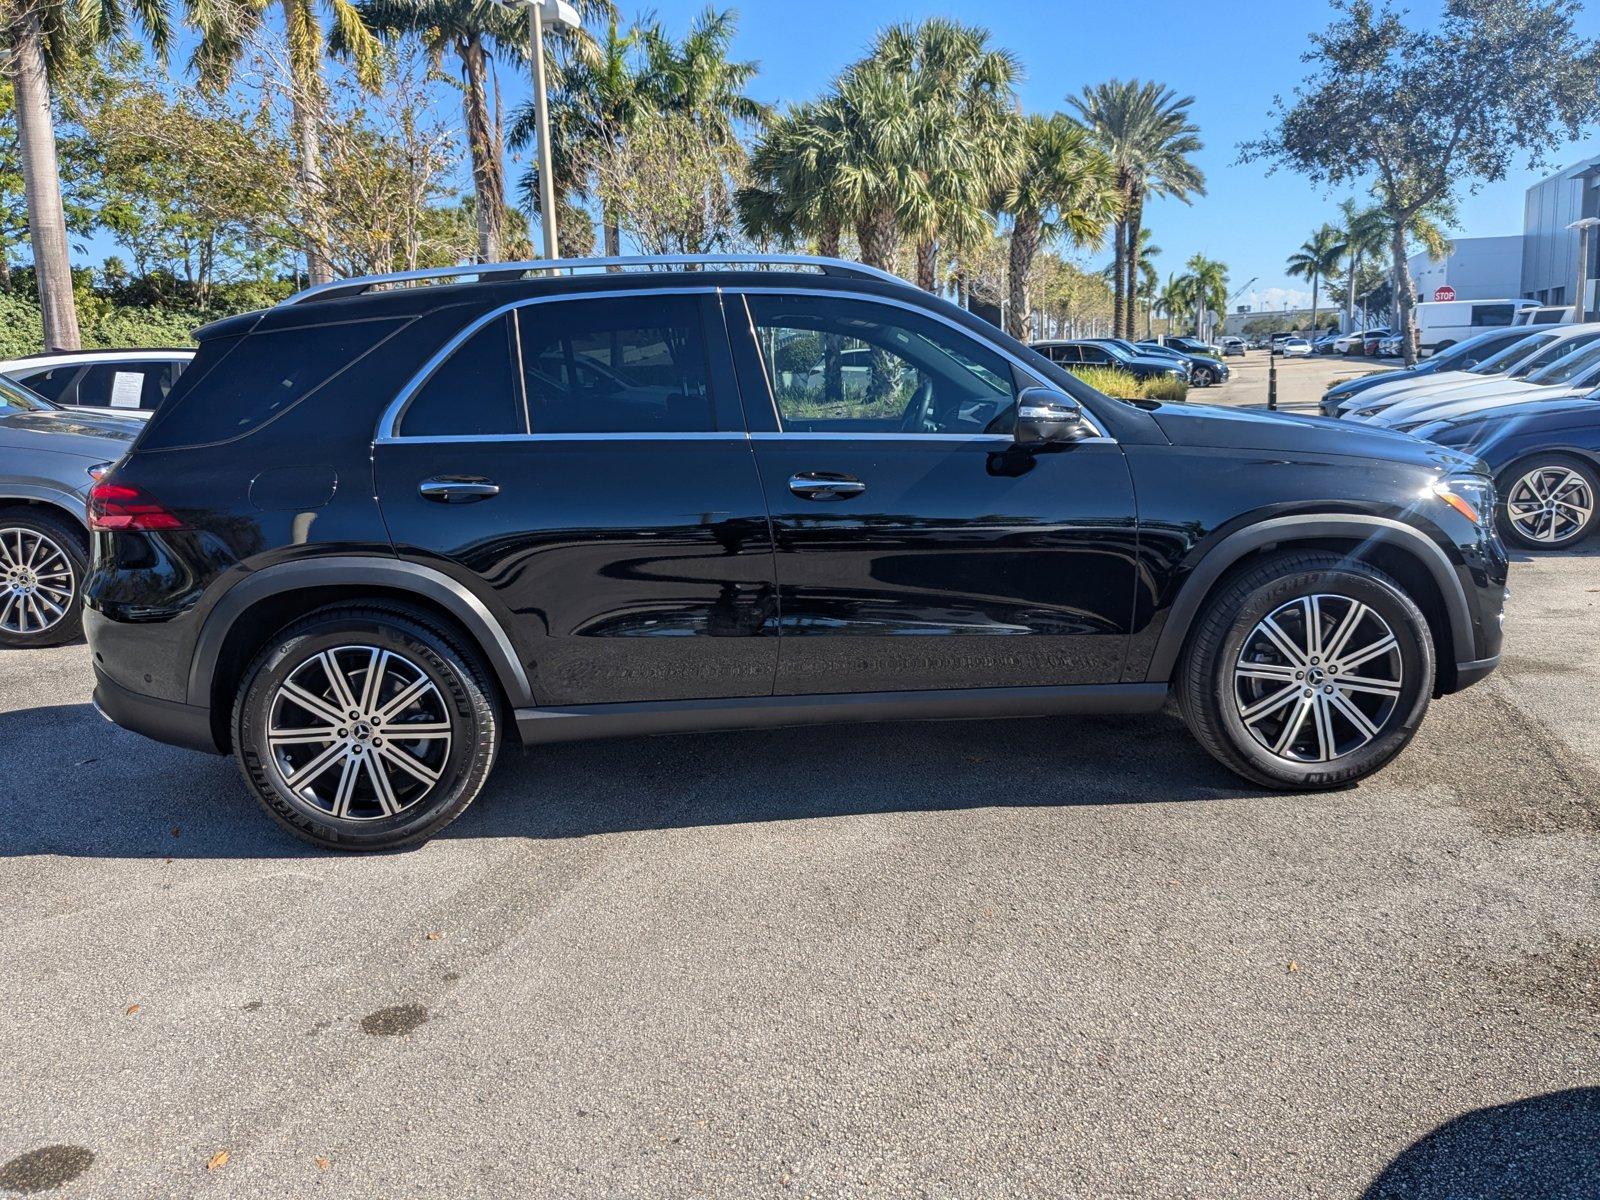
1232 346
130 382
1294 348
1352 342
1576 373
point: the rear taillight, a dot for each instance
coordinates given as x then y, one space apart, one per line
120 506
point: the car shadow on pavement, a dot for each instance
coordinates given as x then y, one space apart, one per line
77 786
1546 1146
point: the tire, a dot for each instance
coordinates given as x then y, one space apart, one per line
43 560
343 805
1548 502
1328 749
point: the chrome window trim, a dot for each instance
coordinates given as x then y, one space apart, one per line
386 434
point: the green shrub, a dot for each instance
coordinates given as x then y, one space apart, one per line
132 327
1110 381
1164 389
21 326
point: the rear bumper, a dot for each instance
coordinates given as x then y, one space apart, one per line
185 725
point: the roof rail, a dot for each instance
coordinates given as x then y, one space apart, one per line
504 271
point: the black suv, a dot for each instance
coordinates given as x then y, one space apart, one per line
379 530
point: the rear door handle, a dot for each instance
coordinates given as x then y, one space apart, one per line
457 489
825 485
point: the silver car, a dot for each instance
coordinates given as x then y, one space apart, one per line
49 458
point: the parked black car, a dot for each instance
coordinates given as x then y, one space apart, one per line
1545 456
1093 352
1462 356
1188 345
1203 370
375 533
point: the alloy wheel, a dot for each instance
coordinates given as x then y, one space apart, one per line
1550 504
36 582
359 732
1318 678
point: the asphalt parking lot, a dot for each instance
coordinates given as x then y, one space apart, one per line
1021 958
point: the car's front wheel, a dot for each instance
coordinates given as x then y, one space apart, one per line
42 564
365 728
1549 502
1307 671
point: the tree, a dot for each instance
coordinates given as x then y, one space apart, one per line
42 38
696 79
1316 259
671 187
1205 289
227 28
1418 113
968 87
790 195
1362 232
1065 188
1145 129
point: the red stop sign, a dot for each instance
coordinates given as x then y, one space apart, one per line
1444 292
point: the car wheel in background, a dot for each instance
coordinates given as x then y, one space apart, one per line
365 728
1548 502
42 564
1307 671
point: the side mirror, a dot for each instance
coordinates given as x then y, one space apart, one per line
1045 415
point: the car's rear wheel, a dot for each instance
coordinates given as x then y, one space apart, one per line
42 564
1307 671
1549 502
365 728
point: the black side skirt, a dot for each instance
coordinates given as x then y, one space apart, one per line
580 722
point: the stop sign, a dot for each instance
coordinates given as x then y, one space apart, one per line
1444 292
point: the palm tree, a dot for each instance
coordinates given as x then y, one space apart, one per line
970 86
1144 271
470 29
226 27
1172 299
1316 260
790 196
40 39
1066 188
1146 131
1362 231
1205 289
696 78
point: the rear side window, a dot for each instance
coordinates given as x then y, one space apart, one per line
127 385
262 376
474 391
1493 314
626 365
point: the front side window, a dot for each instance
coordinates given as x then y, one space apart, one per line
615 365
1493 314
52 383
1578 362
473 393
846 366
1540 364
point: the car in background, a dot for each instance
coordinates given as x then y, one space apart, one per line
1463 356
1354 341
1372 343
130 382
1546 462
1392 345
1201 369
1323 343
1231 347
1551 314
1442 323
1576 373
1295 347
1088 352
1187 345
49 458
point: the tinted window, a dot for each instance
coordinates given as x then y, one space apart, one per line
910 373
1539 364
1580 359
473 392
1513 354
52 383
241 384
633 365
127 385
1493 314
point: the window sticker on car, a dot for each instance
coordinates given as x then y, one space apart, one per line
126 388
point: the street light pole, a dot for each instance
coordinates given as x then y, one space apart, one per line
1580 299
560 12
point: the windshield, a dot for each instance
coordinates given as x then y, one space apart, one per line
1497 364
1552 355
1568 368
15 398
1115 351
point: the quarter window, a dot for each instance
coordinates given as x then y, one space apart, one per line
627 365
856 366
473 393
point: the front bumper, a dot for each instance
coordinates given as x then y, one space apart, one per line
185 725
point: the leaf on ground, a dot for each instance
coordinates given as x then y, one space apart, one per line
434 936
1293 966
218 1160
177 831
322 1162
130 1010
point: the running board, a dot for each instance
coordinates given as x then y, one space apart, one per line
581 722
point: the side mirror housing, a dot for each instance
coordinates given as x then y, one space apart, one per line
1045 415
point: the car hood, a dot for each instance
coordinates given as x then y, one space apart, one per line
1207 425
1418 407
77 432
1365 383
1537 399
1485 426
1392 389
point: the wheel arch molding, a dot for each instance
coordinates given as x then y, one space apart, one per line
351 576
1288 533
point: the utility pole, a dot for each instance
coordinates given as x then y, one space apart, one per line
1580 298
562 14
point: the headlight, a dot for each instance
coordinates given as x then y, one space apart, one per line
1470 495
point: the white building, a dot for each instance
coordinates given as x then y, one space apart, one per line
1549 248
1479 268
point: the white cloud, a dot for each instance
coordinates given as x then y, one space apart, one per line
1276 299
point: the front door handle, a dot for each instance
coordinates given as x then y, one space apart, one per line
457 489
825 485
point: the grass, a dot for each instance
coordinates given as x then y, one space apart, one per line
1122 386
